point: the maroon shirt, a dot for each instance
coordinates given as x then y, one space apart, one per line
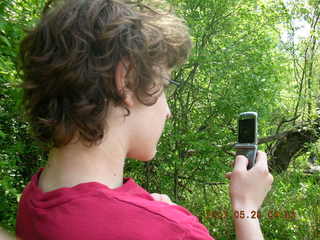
93 211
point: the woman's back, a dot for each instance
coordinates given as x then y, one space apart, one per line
94 211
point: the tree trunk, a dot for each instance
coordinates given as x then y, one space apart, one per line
290 146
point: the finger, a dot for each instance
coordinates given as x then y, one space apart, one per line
156 196
160 197
241 163
262 161
228 175
165 198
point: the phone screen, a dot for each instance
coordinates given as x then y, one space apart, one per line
246 130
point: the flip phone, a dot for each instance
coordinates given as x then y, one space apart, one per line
248 137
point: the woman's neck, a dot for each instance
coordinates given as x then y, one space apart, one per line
75 164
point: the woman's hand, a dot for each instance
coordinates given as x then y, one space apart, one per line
248 188
162 198
5 236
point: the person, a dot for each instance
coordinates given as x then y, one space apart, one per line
95 80
4 235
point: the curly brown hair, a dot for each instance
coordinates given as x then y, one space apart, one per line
68 63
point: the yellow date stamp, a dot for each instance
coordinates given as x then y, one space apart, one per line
251 214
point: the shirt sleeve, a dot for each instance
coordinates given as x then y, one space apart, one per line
197 231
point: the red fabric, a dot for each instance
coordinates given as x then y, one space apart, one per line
92 211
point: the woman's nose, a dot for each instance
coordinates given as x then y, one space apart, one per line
169 114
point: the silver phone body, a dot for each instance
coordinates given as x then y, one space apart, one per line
248 137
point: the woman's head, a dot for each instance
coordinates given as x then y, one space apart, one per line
69 60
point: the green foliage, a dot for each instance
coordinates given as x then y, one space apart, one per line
19 157
293 192
291 210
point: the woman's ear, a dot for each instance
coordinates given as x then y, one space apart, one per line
121 75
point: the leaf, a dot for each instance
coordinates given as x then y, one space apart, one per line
5 40
2 135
